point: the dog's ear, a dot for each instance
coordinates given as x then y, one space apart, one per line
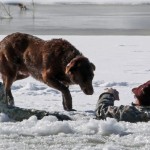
93 66
70 67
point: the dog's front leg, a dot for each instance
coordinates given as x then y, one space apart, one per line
54 83
67 99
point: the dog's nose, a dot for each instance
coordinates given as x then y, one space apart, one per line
88 91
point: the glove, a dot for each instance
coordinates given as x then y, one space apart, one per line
112 91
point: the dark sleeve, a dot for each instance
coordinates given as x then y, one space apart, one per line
105 108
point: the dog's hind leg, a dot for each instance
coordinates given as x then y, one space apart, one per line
7 81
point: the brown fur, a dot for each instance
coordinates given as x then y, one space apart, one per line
56 63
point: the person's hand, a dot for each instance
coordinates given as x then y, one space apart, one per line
112 91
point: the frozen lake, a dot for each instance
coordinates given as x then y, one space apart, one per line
78 20
122 62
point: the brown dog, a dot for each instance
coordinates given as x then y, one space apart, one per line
56 63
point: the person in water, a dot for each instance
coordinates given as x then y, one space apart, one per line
139 111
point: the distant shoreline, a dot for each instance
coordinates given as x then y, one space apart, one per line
79 2
76 4
80 20
91 32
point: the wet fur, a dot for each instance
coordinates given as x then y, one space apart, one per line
22 55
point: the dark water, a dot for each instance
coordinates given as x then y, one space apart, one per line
78 20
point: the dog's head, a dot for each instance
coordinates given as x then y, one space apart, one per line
80 71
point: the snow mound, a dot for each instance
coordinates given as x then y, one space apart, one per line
109 84
49 125
111 126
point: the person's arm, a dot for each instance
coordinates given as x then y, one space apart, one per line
105 108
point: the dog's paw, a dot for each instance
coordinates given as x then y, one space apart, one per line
71 110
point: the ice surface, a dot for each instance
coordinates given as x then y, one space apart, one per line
122 62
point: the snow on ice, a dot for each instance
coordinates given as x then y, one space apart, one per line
122 62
